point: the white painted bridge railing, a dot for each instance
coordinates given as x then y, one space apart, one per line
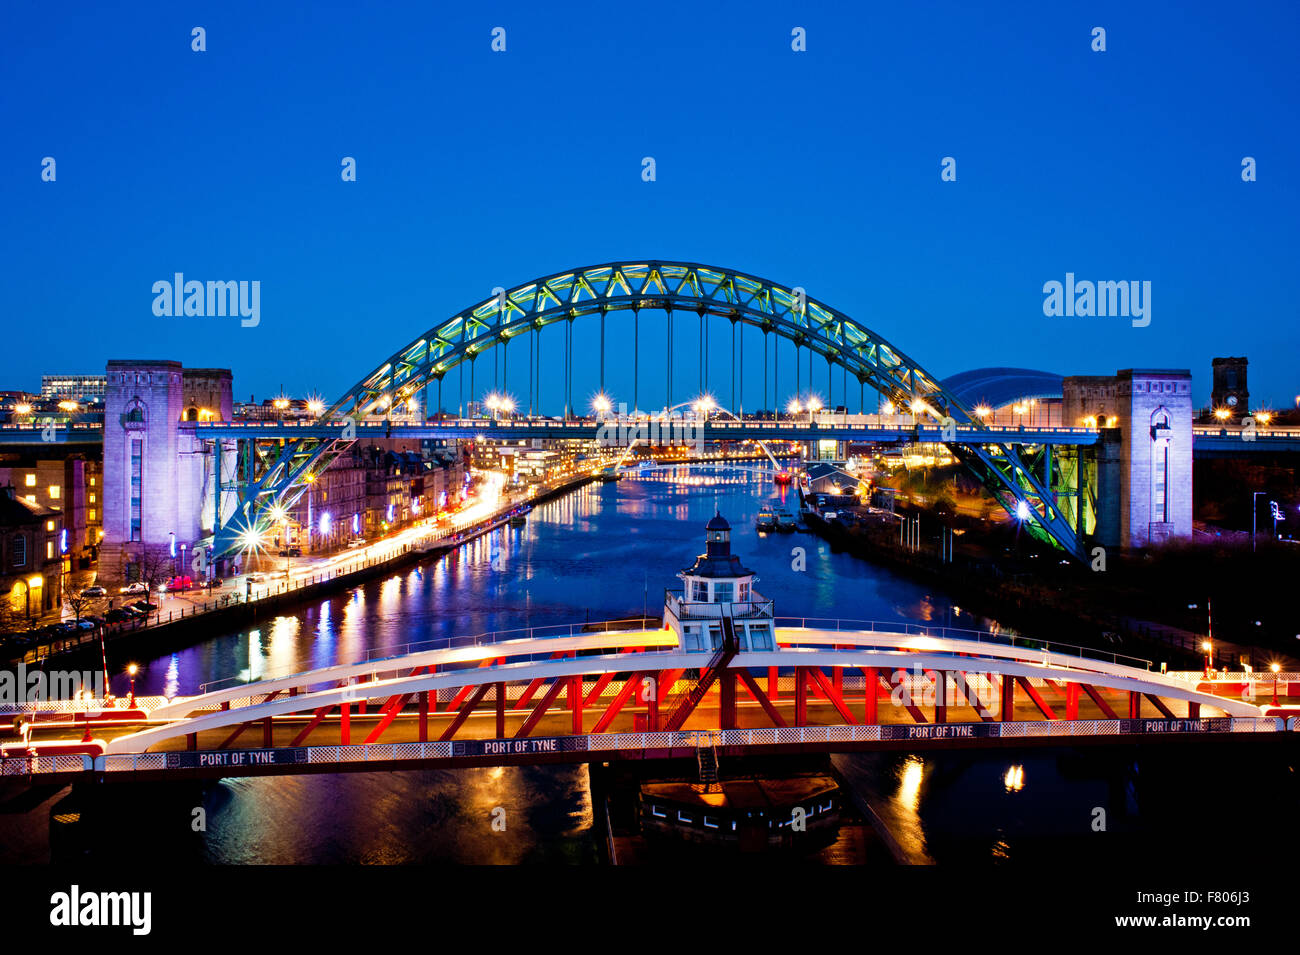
96 706
233 760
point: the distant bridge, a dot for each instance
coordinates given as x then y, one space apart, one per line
605 691
1206 441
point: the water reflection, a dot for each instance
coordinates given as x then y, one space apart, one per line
603 552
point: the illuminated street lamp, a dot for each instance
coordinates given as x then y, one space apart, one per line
983 411
1275 667
1207 647
1263 417
315 406
793 407
1222 414
132 670
25 408
601 404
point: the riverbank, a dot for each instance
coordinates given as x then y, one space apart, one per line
239 611
1032 603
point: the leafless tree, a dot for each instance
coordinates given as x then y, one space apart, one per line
74 600
13 616
154 566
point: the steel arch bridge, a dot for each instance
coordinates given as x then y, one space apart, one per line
1044 487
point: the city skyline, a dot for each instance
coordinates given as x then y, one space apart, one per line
821 169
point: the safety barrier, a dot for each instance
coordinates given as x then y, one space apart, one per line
233 761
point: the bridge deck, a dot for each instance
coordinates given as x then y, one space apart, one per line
596 691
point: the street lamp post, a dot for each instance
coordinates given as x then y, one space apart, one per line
1275 667
131 671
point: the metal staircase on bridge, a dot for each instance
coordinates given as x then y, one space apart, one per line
706 756
682 704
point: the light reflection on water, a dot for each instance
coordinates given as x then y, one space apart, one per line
606 551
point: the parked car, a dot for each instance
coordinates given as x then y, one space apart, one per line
291 552
139 587
185 582
144 606
85 624
95 591
118 615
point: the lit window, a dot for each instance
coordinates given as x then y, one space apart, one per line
92 482
92 514
31 480
92 499
31 498
49 525
49 550
54 490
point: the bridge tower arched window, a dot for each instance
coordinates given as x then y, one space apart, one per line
1161 438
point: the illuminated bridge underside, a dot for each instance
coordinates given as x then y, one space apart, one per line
633 694
1051 507
547 683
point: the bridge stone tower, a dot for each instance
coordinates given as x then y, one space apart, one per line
1155 417
1144 457
158 477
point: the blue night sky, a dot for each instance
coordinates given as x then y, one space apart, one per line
819 169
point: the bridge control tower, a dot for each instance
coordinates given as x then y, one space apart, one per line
718 594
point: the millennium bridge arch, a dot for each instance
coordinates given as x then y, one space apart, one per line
1044 493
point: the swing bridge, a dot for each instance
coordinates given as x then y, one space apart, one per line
628 690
